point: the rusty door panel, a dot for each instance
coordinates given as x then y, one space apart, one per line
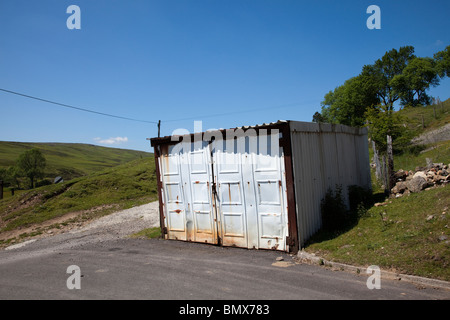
233 197
270 194
174 200
251 198
230 198
200 194
187 196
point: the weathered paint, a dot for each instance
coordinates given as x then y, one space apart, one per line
324 156
262 199
251 217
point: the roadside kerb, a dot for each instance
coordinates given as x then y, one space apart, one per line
309 258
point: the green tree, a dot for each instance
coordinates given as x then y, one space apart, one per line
13 175
3 174
32 163
381 74
317 117
348 103
415 80
383 122
442 59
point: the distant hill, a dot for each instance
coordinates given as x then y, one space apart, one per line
70 160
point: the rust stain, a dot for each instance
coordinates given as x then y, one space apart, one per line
178 211
197 182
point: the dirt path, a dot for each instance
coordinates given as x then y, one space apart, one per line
116 225
437 135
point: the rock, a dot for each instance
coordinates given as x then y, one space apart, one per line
420 174
399 187
442 237
417 184
430 217
379 204
438 179
280 259
400 175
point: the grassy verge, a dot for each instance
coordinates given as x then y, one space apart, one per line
149 233
408 235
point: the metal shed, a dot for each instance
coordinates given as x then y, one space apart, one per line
256 187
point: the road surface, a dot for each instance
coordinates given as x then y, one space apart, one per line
114 266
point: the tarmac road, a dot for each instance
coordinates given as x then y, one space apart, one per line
113 266
171 270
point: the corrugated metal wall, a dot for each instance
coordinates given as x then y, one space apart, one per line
323 156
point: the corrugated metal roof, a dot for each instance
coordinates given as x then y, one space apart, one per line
168 139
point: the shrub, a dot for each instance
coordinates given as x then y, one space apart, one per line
333 209
359 195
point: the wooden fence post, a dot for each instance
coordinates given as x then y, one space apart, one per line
376 160
390 164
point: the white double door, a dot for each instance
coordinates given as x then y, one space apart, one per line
216 193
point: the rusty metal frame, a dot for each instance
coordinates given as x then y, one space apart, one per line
157 155
285 143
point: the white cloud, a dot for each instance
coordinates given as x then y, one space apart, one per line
116 140
438 43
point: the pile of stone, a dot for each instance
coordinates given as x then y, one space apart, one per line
423 177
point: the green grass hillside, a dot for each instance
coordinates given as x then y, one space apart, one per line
422 119
70 160
407 235
91 196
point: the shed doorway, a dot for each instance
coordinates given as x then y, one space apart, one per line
226 192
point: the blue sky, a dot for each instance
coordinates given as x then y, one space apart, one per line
227 63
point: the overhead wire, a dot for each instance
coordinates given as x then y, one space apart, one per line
150 121
77 108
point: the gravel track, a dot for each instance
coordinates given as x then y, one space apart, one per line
117 225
